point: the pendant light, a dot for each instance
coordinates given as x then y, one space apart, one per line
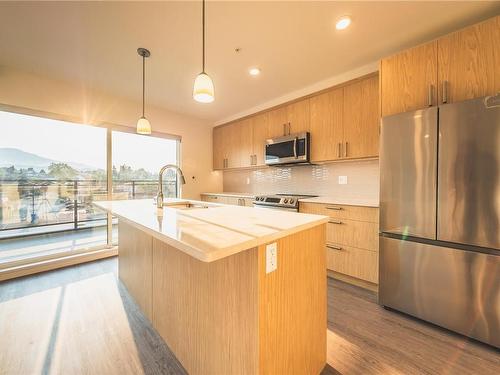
143 125
203 90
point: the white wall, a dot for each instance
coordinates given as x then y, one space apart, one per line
23 89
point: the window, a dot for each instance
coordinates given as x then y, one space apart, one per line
137 159
52 171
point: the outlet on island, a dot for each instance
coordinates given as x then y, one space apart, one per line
271 257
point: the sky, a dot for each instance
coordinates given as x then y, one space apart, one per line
66 141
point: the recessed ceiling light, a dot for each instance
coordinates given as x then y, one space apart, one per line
343 23
254 71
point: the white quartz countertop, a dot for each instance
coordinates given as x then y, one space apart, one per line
212 233
232 194
343 201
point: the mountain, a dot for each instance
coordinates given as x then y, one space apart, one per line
22 159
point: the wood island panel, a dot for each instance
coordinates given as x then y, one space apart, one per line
135 265
292 306
207 312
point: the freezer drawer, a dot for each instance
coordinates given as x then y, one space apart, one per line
455 289
408 162
469 174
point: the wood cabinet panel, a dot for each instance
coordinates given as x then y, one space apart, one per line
361 119
469 62
218 147
326 127
369 214
405 79
243 146
135 265
207 313
358 263
292 301
298 116
360 234
277 122
260 127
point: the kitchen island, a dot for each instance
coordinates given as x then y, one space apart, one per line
206 277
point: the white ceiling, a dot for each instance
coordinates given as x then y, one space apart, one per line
294 43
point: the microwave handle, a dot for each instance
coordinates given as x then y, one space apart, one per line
295 147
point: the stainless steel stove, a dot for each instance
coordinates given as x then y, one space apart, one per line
285 202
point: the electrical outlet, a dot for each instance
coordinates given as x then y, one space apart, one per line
342 180
271 257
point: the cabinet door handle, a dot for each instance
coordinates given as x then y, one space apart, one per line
339 150
333 247
345 150
334 221
334 208
284 129
429 98
289 128
445 91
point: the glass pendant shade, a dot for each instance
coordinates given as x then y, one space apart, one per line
143 126
203 90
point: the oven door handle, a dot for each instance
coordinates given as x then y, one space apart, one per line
295 147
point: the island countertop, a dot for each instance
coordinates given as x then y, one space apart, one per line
212 233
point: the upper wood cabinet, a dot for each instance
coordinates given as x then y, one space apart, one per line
260 127
361 119
298 116
219 149
289 119
469 62
243 147
459 66
277 122
345 122
408 80
327 126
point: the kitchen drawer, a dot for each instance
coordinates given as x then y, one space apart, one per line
359 263
359 234
338 211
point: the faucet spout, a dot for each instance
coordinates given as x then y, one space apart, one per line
159 196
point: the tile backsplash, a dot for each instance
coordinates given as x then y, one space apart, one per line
362 180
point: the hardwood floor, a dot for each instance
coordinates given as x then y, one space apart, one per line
80 320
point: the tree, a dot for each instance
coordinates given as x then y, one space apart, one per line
62 171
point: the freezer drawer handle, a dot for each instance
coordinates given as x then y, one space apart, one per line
333 247
334 222
334 208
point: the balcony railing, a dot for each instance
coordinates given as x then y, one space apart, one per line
42 206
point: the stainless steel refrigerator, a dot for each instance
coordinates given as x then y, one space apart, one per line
440 216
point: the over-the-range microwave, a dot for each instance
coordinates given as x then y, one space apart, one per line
289 149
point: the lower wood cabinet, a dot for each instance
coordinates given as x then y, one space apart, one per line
351 241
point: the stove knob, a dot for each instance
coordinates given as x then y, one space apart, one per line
292 201
286 200
261 198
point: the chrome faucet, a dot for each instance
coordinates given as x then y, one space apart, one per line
159 196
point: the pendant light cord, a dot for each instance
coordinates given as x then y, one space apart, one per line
203 36
143 80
